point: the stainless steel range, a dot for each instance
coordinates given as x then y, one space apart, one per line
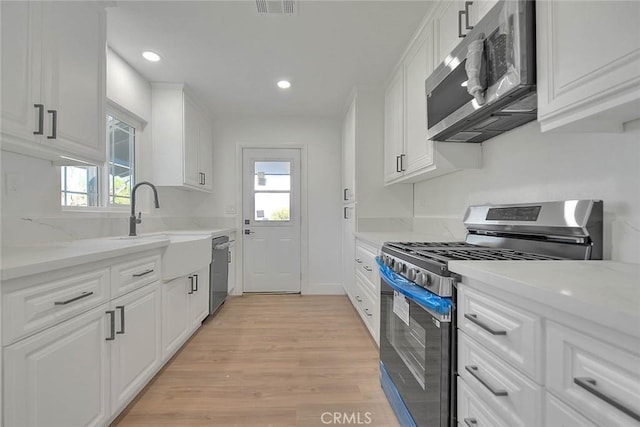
417 323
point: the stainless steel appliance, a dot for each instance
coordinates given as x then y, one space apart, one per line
218 273
506 78
418 293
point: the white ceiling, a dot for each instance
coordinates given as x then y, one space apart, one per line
232 57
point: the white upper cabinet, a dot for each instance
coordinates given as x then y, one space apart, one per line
409 155
182 138
349 154
53 88
394 127
588 64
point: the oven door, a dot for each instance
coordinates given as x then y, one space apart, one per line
415 356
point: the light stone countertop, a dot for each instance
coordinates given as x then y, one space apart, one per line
20 261
605 292
377 239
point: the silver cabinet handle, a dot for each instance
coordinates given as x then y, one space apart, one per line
474 319
196 276
358 298
82 295
143 273
460 13
54 124
366 310
344 197
366 267
112 315
191 285
398 164
40 108
229 257
466 15
358 260
121 308
473 370
591 386
470 422
345 215
402 156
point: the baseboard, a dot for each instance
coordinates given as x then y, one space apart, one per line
323 289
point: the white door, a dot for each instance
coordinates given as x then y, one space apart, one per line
271 219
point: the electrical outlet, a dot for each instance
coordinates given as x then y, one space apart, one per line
231 210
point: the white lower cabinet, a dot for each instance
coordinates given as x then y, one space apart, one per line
185 304
60 377
136 352
474 412
558 414
364 288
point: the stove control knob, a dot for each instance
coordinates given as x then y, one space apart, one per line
398 267
412 274
388 261
422 279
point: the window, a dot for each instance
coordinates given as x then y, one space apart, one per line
272 191
121 141
109 184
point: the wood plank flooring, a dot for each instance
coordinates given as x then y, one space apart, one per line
270 360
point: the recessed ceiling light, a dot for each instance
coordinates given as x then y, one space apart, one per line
151 56
284 84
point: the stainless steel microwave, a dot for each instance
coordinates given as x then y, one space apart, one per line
504 51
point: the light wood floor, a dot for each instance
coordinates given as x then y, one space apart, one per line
270 360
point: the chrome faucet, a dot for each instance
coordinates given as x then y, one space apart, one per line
132 219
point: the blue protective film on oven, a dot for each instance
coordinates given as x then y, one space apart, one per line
418 294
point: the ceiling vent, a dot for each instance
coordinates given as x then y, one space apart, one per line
276 7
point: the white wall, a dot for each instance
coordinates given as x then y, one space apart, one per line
525 165
321 137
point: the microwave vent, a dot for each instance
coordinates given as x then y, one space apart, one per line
276 7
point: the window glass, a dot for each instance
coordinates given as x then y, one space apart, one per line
272 191
79 186
121 138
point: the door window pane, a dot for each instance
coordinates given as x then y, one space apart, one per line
272 207
272 176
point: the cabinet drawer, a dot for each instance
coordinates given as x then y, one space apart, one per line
600 380
514 396
366 263
130 275
368 306
473 411
558 414
37 307
513 333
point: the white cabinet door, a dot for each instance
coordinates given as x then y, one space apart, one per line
348 250
175 315
448 28
191 143
74 55
588 61
136 353
205 153
21 52
349 153
198 297
60 377
394 128
418 66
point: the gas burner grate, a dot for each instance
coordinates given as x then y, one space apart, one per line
417 246
482 254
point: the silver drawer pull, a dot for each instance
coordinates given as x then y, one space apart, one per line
470 422
366 267
83 295
591 386
112 325
358 298
366 310
144 273
474 319
473 370
121 308
358 260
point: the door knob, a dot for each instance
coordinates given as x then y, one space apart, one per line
249 232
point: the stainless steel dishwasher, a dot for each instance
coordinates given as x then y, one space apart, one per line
219 272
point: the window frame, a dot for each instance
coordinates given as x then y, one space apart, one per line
117 111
